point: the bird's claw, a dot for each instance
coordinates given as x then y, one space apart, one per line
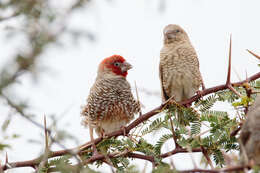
172 102
199 93
187 105
103 134
124 131
95 153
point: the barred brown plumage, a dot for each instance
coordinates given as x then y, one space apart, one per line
110 104
179 66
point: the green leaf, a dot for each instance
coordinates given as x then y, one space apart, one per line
195 127
161 141
243 102
145 147
218 157
6 124
155 125
3 146
207 103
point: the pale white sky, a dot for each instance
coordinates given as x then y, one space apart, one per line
133 29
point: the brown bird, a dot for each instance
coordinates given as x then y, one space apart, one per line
179 66
250 134
110 104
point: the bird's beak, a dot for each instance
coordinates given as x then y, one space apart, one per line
169 34
126 66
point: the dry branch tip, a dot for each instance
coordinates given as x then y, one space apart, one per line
252 53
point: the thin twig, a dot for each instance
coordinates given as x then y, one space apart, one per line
234 132
252 53
228 83
9 17
173 134
229 61
205 153
202 133
46 152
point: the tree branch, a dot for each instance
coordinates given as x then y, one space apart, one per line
9 17
142 118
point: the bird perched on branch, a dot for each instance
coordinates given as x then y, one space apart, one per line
250 134
110 104
179 67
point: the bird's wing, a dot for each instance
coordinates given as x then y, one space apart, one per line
163 92
190 57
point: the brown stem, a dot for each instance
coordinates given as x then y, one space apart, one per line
144 117
229 62
174 135
205 153
234 133
255 55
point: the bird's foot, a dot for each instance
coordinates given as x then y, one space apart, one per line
172 102
199 93
187 105
103 134
95 152
124 131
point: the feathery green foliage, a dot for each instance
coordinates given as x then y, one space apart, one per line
218 157
161 141
154 125
206 104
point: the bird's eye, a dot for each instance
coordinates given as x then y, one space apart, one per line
177 31
116 64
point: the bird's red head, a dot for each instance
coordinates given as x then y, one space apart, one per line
116 64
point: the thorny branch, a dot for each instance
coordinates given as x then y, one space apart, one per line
174 135
205 153
139 120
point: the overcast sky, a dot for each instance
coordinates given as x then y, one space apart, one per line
133 29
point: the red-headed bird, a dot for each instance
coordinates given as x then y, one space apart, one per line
110 104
